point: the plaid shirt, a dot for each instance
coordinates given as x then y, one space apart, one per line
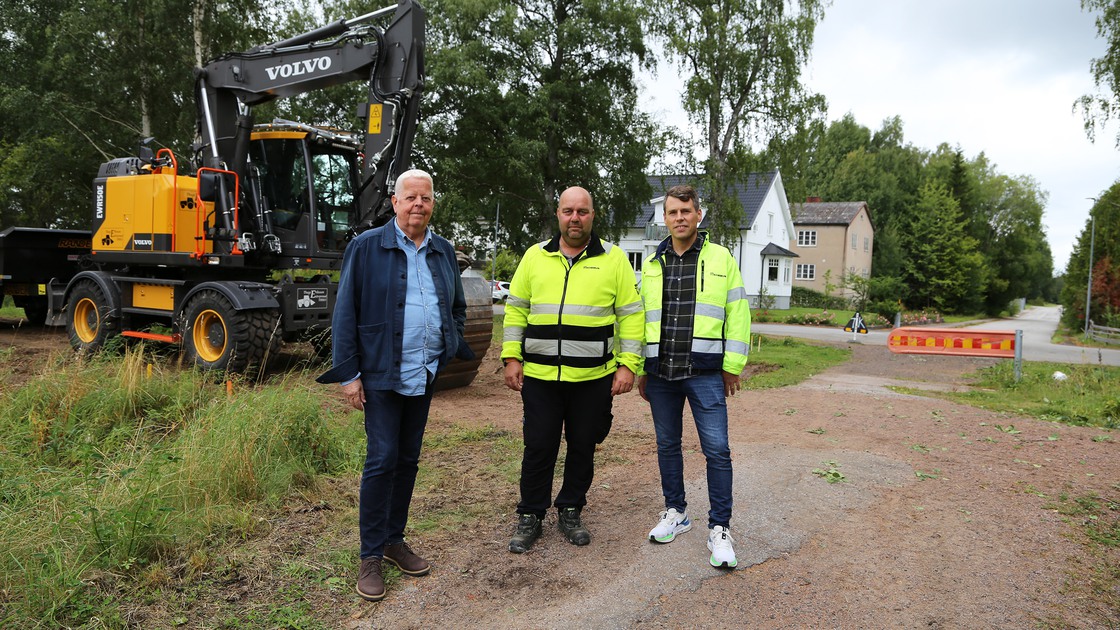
678 311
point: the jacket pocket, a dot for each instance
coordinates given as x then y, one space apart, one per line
375 347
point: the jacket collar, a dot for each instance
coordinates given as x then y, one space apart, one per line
594 245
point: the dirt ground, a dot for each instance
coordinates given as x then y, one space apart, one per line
944 520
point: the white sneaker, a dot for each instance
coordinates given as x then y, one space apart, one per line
723 554
672 523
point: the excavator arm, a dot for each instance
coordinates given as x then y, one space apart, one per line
391 60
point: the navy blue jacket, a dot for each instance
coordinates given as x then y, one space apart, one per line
368 320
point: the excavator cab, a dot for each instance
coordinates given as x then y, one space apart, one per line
307 185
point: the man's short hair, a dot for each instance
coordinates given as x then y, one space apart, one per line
684 192
414 174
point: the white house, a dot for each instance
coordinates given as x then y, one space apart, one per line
762 248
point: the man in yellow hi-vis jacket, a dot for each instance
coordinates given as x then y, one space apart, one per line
566 300
698 327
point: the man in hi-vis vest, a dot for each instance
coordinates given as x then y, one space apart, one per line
565 302
698 330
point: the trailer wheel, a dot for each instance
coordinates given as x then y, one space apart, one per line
90 320
218 337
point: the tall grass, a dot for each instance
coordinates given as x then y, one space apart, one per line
113 464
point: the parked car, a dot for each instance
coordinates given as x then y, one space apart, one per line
499 290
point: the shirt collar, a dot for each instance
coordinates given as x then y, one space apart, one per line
403 238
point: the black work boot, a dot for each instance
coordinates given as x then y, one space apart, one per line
572 527
528 531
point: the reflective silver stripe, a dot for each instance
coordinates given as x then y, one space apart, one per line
734 345
541 308
650 351
707 346
571 309
710 310
736 294
630 345
653 316
629 309
606 247
513 300
514 333
568 348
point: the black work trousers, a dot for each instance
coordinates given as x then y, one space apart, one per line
579 411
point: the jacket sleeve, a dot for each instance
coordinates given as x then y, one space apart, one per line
630 314
737 321
517 308
344 321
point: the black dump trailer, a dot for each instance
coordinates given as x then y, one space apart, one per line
36 263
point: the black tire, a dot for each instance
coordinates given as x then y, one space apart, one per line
218 337
34 308
90 320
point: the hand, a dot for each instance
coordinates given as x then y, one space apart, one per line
355 394
642 387
623 381
731 383
515 375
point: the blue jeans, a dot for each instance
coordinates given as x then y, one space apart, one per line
394 433
706 399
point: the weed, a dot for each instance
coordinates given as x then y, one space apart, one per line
830 473
922 476
817 431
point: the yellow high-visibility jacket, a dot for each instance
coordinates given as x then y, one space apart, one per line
721 329
561 320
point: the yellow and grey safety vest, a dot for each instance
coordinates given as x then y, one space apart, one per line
721 328
561 319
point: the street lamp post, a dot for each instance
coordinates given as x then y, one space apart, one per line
1089 284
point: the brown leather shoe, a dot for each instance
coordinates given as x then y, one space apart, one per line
371 586
409 563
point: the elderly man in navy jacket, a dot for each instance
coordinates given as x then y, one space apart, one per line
398 320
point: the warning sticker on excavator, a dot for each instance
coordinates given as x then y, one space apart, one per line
375 118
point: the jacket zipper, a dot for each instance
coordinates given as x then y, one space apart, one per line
701 276
560 315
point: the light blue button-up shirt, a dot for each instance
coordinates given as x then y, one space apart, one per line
423 342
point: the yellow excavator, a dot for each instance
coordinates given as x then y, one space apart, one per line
230 254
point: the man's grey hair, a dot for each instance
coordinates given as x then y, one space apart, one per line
411 174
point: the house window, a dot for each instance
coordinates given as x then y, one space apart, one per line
772 269
866 244
806 238
635 260
853 241
770 225
785 272
806 272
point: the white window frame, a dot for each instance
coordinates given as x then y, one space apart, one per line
806 238
635 260
806 271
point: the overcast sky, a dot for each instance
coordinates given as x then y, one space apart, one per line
991 76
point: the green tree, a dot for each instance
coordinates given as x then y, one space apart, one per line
741 63
530 97
1105 245
943 267
1097 109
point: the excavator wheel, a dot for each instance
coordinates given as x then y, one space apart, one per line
90 320
218 337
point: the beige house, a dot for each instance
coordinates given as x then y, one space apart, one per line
832 240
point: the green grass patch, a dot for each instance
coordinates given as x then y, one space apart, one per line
107 470
781 361
1087 397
